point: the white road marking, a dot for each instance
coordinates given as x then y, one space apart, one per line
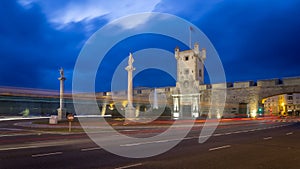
17 148
237 132
132 144
196 137
160 141
218 148
91 149
128 130
219 134
12 135
11 129
289 133
129 166
46 154
41 144
188 138
245 131
148 142
267 138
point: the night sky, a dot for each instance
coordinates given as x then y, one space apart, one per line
255 39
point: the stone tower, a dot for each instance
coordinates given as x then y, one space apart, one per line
190 74
190 67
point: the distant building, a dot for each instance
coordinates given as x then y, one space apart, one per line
282 105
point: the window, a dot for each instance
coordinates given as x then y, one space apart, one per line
290 97
186 58
139 92
186 71
200 73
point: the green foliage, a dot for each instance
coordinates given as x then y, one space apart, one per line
25 113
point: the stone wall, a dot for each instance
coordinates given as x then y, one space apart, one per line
291 81
240 96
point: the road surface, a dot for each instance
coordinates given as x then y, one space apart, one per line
245 144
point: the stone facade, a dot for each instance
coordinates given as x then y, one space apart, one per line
190 74
242 100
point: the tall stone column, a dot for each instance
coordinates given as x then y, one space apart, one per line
195 106
137 110
130 110
103 109
155 102
61 112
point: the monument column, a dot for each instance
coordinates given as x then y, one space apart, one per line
130 110
103 109
61 113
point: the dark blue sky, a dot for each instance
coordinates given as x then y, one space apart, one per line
255 39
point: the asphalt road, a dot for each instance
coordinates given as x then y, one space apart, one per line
254 144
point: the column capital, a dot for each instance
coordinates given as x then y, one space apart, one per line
62 78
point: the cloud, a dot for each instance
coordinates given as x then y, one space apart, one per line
74 11
255 39
31 48
193 10
134 22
